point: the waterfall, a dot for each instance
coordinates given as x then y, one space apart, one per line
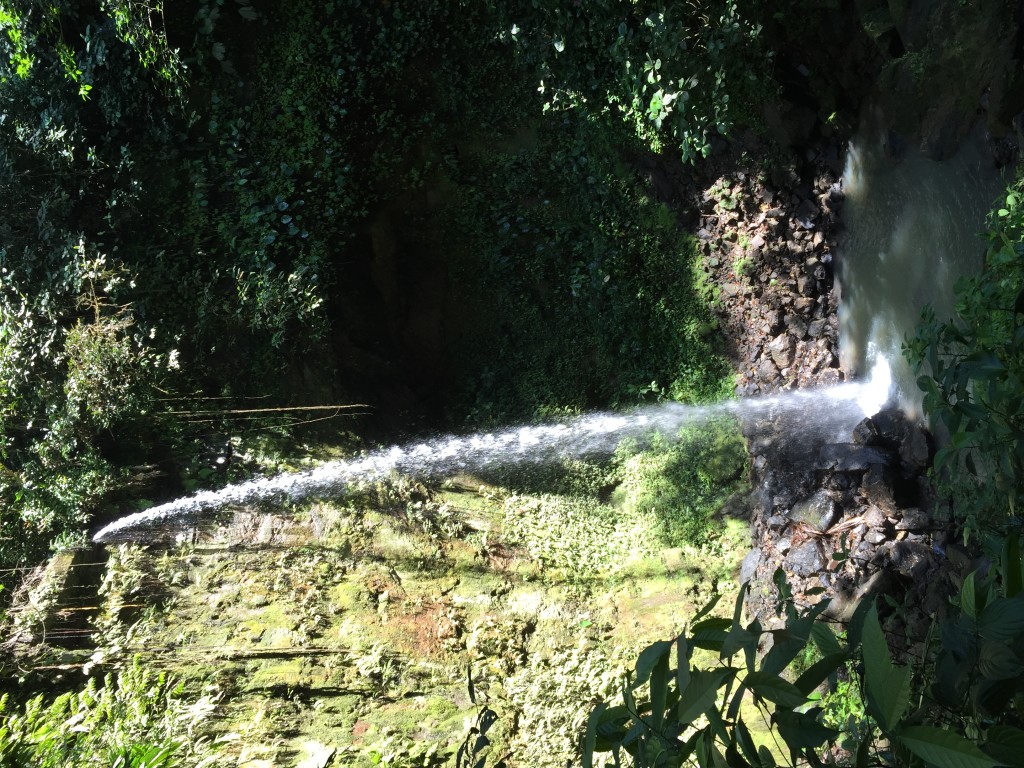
912 227
819 414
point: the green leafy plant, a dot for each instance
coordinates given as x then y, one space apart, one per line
137 719
673 73
972 374
953 706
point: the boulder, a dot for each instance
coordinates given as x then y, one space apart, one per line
819 511
748 568
914 519
806 559
915 450
850 457
865 433
781 349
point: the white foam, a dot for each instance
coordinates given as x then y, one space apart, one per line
825 412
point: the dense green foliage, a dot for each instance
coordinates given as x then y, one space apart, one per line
678 74
952 701
973 378
137 720
572 288
218 202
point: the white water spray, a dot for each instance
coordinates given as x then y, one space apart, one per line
911 233
824 414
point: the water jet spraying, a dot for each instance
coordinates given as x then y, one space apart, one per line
823 414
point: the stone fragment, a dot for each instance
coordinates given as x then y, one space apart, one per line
874 517
914 519
850 457
767 371
819 511
806 559
806 214
781 349
911 559
874 537
748 568
815 328
914 449
797 327
877 487
865 433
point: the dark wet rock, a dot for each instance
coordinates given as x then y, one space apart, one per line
875 537
819 511
806 214
806 559
914 520
874 517
797 327
877 487
816 328
749 566
865 433
915 450
850 457
912 559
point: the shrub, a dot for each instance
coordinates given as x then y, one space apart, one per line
138 719
972 373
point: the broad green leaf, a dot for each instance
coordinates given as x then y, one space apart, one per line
741 735
1006 744
738 637
767 758
659 687
650 657
775 689
710 633
683 664
943 749
887 686
855 629
733 759
1002 619
825 639
701 693
997 662
863 752
718 726
967 600
790 641
802 730
708 607
737 701
818 672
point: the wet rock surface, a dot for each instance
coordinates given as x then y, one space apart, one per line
769 251
859 520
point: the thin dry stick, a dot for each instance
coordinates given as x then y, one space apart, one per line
239 411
